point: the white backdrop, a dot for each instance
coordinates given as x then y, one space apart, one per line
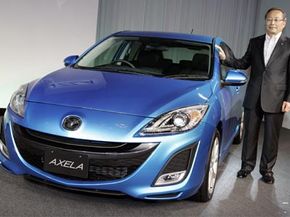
36 35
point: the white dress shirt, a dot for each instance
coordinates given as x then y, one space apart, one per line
269 45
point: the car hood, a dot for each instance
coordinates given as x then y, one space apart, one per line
140 95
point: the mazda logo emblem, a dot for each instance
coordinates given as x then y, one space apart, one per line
71 123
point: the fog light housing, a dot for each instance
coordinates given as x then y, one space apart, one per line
170 178
176 169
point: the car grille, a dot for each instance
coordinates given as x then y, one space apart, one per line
107 161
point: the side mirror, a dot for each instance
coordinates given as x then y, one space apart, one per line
70 60
235 78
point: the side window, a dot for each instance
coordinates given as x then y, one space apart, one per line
229 53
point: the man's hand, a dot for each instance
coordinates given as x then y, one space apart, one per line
222 54
286 106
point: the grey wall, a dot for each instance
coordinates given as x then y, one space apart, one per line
263 6
36 35
230 19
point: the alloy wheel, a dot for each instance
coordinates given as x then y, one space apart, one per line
213 167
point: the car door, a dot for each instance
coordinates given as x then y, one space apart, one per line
232 103
237 93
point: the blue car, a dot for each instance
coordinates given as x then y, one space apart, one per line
144 114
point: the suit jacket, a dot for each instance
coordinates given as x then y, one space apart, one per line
270 83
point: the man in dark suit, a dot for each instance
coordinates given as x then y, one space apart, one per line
267 94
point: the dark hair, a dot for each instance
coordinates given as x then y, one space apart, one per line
277 9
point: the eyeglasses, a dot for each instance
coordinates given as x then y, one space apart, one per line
275 20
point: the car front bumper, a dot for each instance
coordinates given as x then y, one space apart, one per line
138 184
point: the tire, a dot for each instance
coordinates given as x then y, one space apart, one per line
206 190
239 136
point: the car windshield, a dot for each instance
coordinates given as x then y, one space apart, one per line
170 58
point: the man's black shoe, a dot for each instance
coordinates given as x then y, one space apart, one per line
243 173
268 178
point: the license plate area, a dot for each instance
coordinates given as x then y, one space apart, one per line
66 163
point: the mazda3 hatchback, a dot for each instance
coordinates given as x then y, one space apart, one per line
145 114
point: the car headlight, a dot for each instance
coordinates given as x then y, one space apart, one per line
17 102
176 121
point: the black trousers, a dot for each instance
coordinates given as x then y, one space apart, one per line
272 126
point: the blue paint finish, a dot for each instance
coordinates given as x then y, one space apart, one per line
168 35
115 107
117 92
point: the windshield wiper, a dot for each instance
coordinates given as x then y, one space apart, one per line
127 70
141 71
82 67
187 77
100 67
115 68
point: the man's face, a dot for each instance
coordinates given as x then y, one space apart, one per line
275 22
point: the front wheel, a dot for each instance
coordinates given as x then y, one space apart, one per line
206 190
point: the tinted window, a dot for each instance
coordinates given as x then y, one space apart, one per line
160 57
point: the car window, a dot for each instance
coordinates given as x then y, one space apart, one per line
155 56
177 54
108 54
229 53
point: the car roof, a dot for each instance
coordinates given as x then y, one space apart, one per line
169 35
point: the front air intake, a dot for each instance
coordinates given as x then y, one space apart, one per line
177 167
